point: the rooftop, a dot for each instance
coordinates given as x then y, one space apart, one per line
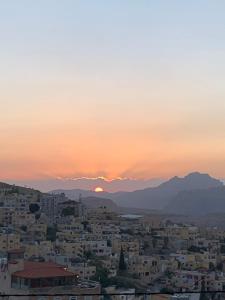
43 270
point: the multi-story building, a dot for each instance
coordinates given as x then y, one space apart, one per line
9 241
22 218
6 216
49 205
37 231
82 269
129 245
193 280
99 248
72 249
146 268
40 249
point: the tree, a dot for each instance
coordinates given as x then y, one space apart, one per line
166 242
127 231
68 211
37 216
135 276
179 265
211 266
196 249
101 274
85 223
24 228
51 234
220 266
154 242
146 245
109 243
166 290
39 197
222 248
89 255
122 264
34 207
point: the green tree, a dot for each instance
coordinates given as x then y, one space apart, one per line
122 264
135 276
68 211
154 242
196 249
166 290
24 228
109 243
165 242
34 207
89 255
101 274
85 223
146 245
179 265
37 216
220 266
51 233
211 266
222 248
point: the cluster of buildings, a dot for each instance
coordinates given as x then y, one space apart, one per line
54 248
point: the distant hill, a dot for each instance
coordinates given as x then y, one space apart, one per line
198 202
159 197
11 188
89 198
75 194
152 198
4 186
94 202
83 183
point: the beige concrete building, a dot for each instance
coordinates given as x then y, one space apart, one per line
146 268
9 241
129 246
21 218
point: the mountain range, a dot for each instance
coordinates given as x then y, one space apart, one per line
171 196
198 202
86 183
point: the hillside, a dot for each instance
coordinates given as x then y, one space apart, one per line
93 202
11 188
198 202
4 186
159 197
75 194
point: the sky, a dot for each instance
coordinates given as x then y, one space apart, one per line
113 89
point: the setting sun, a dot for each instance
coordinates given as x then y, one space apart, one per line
99 189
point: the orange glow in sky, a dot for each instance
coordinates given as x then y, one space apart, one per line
135 92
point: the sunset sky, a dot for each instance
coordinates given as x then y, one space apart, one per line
131 89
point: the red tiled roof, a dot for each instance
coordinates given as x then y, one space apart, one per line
42 270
